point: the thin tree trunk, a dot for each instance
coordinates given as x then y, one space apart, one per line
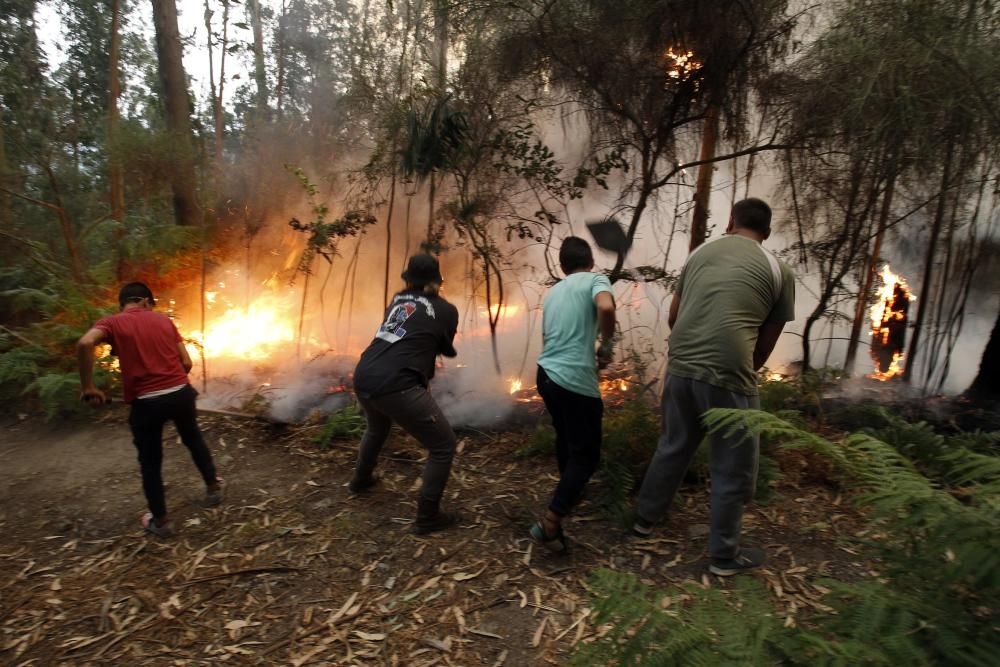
441 44
302 313
259 72
178 107
703 185
925 286
430 213
280 88
388 233
116 177
68 233
861 309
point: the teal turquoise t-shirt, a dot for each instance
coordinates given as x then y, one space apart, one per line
569 331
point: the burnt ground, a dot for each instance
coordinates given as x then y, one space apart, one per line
293 570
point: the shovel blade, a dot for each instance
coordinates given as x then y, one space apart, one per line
609 235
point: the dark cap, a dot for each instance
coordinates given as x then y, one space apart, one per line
421 270
135 292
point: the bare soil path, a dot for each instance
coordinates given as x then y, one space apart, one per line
293 570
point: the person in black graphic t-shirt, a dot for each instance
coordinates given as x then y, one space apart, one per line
391 382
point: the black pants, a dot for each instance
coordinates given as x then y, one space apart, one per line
147 418
577 420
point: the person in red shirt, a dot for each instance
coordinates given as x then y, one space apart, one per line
154 366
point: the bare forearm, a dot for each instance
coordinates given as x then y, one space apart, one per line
767 338
85 360
606 324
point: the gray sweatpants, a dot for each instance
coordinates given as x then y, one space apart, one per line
418 413
734 460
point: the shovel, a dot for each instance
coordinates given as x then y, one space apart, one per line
609 235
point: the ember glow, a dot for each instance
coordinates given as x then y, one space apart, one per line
888 322
515 385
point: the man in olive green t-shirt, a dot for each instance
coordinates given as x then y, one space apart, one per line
731 303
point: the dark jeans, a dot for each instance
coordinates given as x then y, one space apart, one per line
577 420
147 418
418 413
733 466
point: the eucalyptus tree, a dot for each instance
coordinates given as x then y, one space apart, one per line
648 75
177 105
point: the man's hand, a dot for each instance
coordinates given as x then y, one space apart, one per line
605 354
93 396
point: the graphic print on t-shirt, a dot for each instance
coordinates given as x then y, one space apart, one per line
392 329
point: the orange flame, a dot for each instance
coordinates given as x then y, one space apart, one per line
253 333
882 314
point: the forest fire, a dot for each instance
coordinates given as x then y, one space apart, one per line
252 333
889 318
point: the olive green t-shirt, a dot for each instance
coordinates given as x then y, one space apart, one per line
728 288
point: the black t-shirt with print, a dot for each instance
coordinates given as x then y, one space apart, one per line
416 328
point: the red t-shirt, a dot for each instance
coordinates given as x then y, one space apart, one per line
146 345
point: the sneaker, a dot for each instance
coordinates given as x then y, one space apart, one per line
440 521
554 543
360 484
641 527
150 526
749 558
215 498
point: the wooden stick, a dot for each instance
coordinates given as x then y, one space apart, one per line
236 573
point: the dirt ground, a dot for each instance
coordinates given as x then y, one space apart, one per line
294 570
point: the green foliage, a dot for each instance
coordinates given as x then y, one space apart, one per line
940 545
934 603
541 442
631 431
689 625
59 393
323 236
348 422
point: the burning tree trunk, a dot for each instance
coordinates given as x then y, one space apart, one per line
703 187
889 320
178 106
987 382
870 272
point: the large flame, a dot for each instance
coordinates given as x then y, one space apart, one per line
884 314
254 333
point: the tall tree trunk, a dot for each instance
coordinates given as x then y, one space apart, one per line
703 185
987 382
280 86
925 285
441 44
861 308
218 120
116 177
388 234
178 107
259 72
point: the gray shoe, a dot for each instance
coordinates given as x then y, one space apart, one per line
215 498
748 558
160 530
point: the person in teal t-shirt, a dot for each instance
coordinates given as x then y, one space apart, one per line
573 312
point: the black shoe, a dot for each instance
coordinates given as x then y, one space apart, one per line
361 483
431 519
641 527
749 558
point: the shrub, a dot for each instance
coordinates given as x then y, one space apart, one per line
348 422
